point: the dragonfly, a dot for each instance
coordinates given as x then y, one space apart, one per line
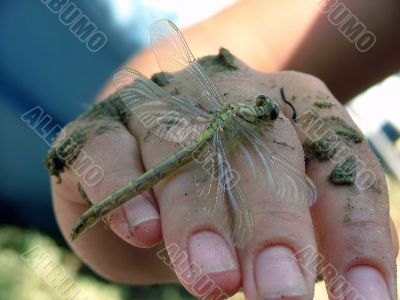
211 131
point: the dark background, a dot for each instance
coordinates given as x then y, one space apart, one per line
42 63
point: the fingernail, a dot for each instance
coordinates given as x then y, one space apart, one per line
278 274
368 282
140 210
211 253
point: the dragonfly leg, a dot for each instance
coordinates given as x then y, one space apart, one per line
294 116
282 143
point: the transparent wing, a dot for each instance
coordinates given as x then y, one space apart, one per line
168 117
283 179
174 57
222 198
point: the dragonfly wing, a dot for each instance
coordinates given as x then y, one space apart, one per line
174 57
223 200
170 118
283 180
242 215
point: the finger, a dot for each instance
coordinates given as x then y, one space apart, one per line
395 238
270 262
352 216
271 267
105 253
116 153
204 260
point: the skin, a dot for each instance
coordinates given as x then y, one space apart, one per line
362 236
343 242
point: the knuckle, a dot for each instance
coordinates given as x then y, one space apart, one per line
111 180
278 214
368 225
283 224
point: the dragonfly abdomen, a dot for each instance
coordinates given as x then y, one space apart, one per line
142 183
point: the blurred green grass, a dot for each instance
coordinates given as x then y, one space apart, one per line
23 278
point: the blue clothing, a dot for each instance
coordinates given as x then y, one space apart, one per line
44 63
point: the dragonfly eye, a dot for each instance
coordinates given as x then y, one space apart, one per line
261 100
274 110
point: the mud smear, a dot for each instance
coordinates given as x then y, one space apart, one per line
343 129
323 104
348 210
326 148
224 61
323 149
344 173
102 117
162 78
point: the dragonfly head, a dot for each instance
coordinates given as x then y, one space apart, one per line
265 109
268 109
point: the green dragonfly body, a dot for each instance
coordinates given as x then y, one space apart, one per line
227 129
264 109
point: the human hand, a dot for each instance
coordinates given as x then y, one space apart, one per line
351 227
